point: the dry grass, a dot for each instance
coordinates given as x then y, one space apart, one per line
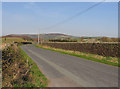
99 57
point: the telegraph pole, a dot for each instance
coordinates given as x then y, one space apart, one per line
41 40
38 37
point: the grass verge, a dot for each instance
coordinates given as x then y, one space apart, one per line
106 60
39 80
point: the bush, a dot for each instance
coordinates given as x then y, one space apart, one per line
14 69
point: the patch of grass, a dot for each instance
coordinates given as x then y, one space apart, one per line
106 60
39 80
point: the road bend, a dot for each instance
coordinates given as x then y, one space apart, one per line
69 71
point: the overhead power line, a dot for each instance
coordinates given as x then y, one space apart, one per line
74 16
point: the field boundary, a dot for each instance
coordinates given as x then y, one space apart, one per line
78 55
103 49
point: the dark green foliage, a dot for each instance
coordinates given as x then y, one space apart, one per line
62 40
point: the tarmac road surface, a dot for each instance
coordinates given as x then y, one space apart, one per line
69 71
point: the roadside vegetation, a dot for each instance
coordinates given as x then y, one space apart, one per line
18 69
98 58
103 49
39 80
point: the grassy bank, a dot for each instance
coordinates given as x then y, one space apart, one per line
106 60
18 69
39 79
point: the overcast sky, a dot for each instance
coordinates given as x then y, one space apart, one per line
29 17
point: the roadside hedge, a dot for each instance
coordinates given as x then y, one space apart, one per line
104 49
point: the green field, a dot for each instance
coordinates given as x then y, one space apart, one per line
11 39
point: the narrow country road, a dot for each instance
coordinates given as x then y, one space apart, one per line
68 71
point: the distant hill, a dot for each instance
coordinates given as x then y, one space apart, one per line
48 36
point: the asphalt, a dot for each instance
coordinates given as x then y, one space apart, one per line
69 71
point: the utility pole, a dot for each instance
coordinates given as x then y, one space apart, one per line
38 37
41 40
